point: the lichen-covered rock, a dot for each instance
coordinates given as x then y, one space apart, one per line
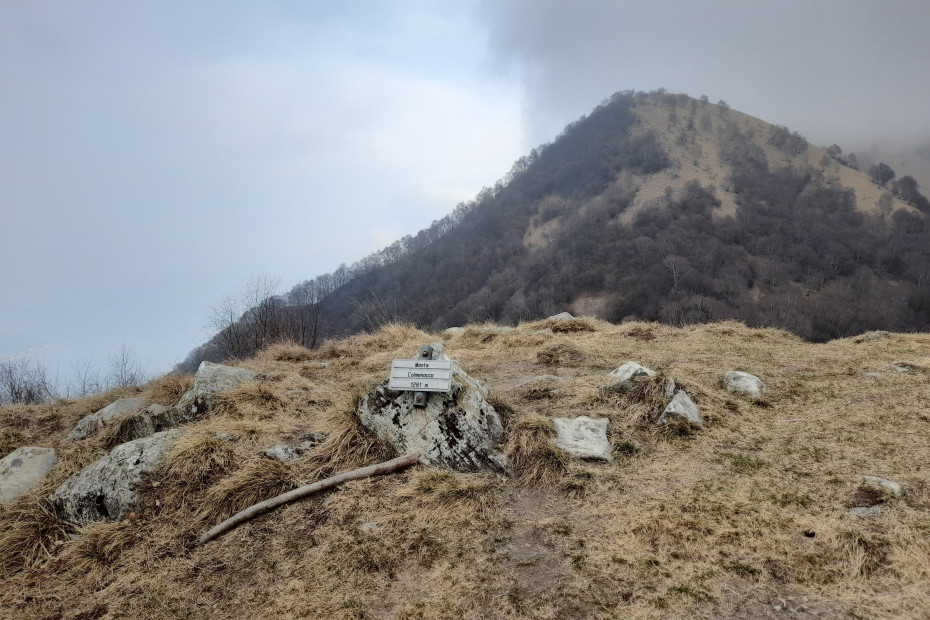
107 489
457 429
210 379
583 437
743 383
153 419
92 423
682 408
22 469
625 377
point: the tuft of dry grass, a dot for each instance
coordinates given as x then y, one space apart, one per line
348 444
442 493
532 454
167 390
195 461
30 529
286 351
100 545
565 326
561 354
254 400
258 480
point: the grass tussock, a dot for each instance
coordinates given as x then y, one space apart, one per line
196 460
561 354
446 494
348 444
566 326
644 403
29 531
167 390
532 454
258 480
100 545
250 400
286 351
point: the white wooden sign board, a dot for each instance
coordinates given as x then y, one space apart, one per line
421 375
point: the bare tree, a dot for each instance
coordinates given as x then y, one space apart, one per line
125 369
24 381
86 378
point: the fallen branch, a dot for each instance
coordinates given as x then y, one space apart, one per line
401 462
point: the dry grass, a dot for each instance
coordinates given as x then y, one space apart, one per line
748 511
167 390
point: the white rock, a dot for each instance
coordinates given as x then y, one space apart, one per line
22 469
458 429
583 437
882 484
744 383
107 489
681 408
867 511
897 368
453 330
210 379
625 376
561 316
92 423
281 452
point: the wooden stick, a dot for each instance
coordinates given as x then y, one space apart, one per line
401 462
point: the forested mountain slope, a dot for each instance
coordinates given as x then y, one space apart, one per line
657 207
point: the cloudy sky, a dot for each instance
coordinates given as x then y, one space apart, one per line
154 155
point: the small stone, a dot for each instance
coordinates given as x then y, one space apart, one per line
867 511
281 453
583 437
367 528
627 375
561 316
544 332
210 379
453 330
681 408
897 368
744 383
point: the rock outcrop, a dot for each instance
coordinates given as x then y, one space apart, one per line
210 379
743 383
583 437
682 408
625 377
457 429
89 425
108 489
22 469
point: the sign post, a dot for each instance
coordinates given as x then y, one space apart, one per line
421 375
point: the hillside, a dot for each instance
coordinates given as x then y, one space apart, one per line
747 516
653 207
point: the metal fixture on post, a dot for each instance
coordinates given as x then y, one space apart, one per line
419 398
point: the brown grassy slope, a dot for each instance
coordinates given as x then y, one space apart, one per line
749 512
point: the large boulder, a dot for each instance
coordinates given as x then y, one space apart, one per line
682 408
743 383
583 437
22 469
108 488
628 375
92 423
210 379
457 429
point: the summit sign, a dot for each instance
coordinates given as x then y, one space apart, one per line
421 375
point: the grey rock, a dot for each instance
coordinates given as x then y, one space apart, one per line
210 379
561 316
743 383
546 331
681 408
153 419
22 469
108 488
883 485
867 511
92 423
583 437
281 453
897 368
313 439
875 335
670 388
368 528
454 330
457 429
627 375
